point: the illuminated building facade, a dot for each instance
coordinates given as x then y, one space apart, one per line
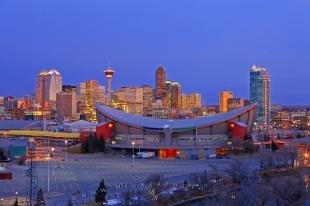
49 83
234 103
192 101
173 95
90 93
160 83
303 155
148 98
260 92
158 110
281 121
66 104
132 97
224 96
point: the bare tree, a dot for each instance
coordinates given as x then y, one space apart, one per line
291 152
262 162
265 195
238 171
156 185
288 189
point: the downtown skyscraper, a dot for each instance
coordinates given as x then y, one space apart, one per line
160 83
49 83
260 92
90 93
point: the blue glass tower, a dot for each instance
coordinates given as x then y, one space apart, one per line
260 92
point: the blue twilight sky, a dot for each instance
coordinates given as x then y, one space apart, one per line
206 45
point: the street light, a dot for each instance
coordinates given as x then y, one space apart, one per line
48 169
16 193
133 154
53 150
66 143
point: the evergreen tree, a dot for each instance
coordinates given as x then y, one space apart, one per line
92 143
15 202
69 203
40 199
248 146
84 146
2 155
101 192
101 144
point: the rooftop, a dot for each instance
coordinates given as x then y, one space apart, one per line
17 124
157 123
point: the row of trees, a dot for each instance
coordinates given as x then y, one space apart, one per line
93 144
280 158
238 185
257 188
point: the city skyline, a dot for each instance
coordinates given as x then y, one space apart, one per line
111 102
81 45
103 81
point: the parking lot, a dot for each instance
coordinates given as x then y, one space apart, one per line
81 174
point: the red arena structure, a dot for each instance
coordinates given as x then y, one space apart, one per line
171 137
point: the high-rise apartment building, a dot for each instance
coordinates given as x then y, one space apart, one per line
160 83
260 92
224 96
49 83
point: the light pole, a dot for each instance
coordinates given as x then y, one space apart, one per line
48 168
16 193
66 143
48 162
53 150
2 202
133 154
48 174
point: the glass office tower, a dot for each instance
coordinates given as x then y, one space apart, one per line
260 92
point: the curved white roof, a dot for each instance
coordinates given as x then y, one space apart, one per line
54 71
157 123
81 124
